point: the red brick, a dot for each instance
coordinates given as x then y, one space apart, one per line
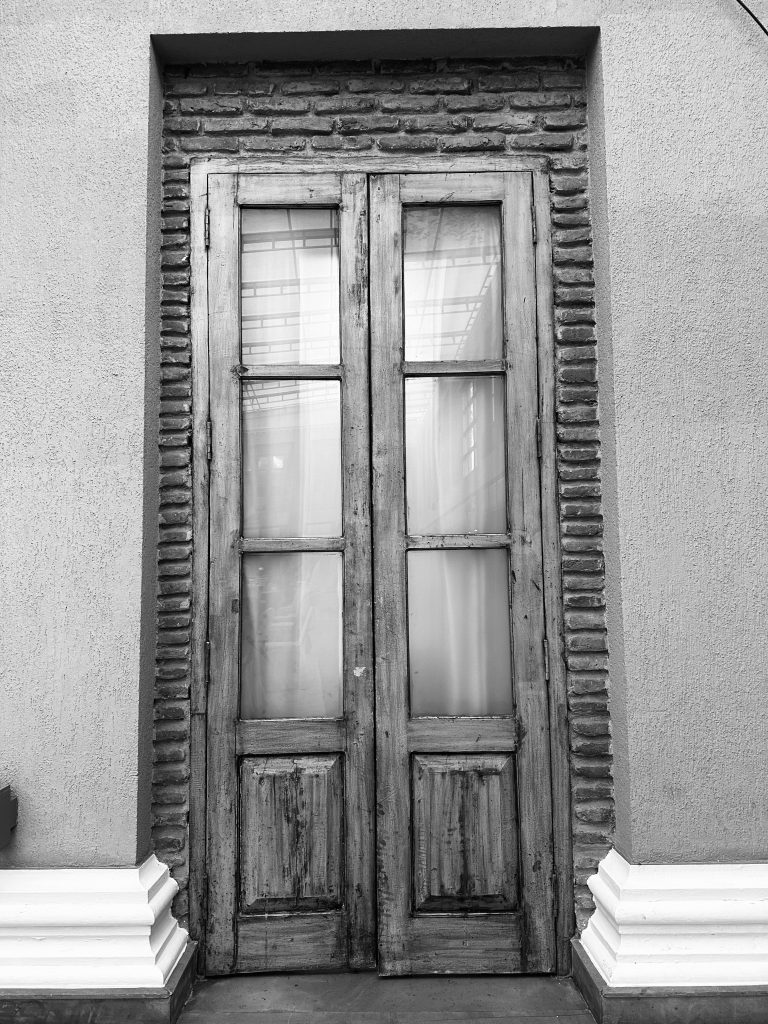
346 105
440 86
211 105
509 83
410 104
312 87
474 144
374 84
401 144
302 126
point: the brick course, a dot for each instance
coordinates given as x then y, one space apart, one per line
452 107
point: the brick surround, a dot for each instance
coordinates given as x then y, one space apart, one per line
452 107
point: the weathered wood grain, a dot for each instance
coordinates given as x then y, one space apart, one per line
427 735
319 189
464 832
469 944
453 367
291 842
263 544
297 735
527 605
393 820
553 598
358 575
198 696
300 942
292 371
224 585
372 163
453 187
421 542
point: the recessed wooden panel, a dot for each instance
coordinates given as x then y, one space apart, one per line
464 832
291 833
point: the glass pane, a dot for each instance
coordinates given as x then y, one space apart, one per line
292 458
458 632
454 454
290 648
290 286
452 282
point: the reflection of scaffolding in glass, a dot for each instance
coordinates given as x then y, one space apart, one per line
452 305
289 286
272 393
452 282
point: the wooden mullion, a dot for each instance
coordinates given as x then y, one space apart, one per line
393 791
289 189
527 612
224 620
462 735
291 371
360 800
290 735
467 187
448 541
266 544
454 368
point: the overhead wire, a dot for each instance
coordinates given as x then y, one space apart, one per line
752 15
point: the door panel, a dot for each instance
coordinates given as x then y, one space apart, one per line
464 832
290 703
291 839
464 829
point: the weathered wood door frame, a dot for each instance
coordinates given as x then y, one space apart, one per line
200 180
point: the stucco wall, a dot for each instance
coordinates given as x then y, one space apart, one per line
683 248
682 254
74 412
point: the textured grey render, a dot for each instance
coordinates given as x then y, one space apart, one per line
678 109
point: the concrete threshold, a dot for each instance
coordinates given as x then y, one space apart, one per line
369 999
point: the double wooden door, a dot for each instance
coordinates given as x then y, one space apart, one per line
378 748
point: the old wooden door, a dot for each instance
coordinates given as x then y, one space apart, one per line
462 754
290 706
440 858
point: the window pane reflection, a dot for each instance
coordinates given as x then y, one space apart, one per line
454 455
291 431
289 286
290 650
452 282
458 632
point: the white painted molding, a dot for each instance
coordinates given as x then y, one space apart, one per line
88 927
679 924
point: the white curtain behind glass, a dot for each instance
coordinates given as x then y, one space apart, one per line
455 455
291 650
458 606
458 632
291 439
